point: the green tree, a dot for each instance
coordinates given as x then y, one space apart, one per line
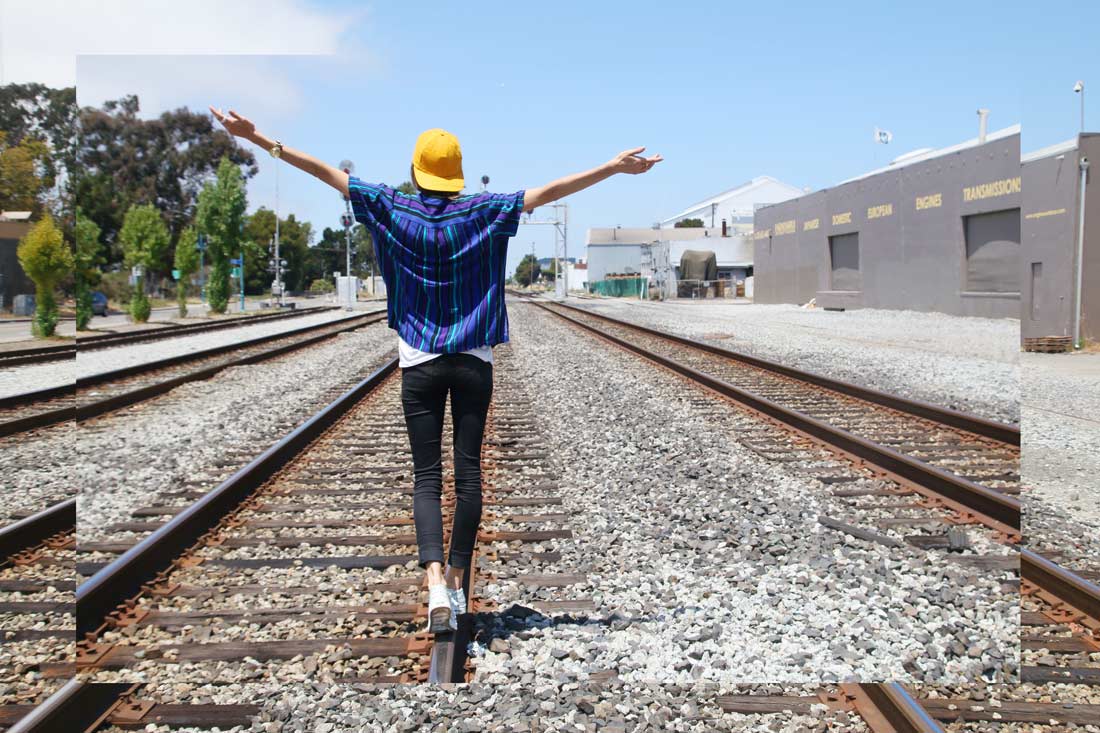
144 239
166 161
46 260
294 237
24 175
688 224
220 216
259 228
551 271
186 263
37 112
409 188
87 259
527 271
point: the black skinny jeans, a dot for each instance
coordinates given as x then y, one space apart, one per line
424 390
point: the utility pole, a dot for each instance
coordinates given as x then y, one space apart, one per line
349 168
560 222
277 286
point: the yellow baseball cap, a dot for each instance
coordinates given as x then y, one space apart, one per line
437 161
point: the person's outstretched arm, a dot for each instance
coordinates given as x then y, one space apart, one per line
240 126
628 161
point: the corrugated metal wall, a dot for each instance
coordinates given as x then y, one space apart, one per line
606 259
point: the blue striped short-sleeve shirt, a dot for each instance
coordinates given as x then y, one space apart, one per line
442 261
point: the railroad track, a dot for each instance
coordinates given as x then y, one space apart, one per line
37 608
37 354
1061 608
914 447
1060 624
94 341
308 551
112 390
894 708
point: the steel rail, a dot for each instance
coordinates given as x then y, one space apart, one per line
174 330
123 578
107 404
449 655
37 355
32 531
995 509
78 707
1062 582
1009 434
889 708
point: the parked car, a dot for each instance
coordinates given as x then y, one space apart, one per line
99 303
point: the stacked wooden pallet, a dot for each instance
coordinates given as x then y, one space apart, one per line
1049 344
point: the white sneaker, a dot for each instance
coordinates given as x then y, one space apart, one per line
458 600
441 616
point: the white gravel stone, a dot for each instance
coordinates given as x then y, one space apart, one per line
612 706
1061 433
969 364
706 562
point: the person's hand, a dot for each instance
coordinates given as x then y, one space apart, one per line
631 161
235 124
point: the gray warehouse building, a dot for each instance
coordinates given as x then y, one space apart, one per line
1051 230
936 230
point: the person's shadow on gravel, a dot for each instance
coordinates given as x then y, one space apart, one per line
493 631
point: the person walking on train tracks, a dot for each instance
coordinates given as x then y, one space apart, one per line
442 256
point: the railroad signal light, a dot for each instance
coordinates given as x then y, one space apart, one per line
345 220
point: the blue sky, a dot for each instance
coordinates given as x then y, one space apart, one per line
724 92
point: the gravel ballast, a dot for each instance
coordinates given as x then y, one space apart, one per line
1061 434
969 364
706 562
613 706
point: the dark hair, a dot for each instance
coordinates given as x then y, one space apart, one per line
429 192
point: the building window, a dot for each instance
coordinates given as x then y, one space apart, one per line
993 252
844 262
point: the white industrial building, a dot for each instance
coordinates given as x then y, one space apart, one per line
726 231
625 251
737 205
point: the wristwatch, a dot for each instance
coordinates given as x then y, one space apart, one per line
276 149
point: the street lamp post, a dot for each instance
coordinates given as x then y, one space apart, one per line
1079 87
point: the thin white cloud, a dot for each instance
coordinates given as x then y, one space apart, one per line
254 85
40 39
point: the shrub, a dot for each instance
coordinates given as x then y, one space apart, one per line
139 304
116 286
320 286
46 260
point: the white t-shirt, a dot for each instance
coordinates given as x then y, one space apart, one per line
411 356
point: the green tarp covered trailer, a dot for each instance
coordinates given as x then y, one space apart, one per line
698 264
